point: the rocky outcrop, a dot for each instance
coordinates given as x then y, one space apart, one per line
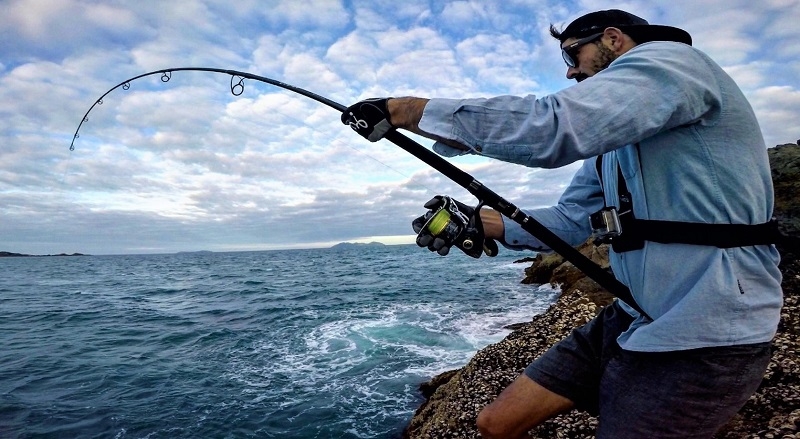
455 398
785 163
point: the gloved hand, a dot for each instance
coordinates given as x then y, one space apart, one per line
449 222
369 117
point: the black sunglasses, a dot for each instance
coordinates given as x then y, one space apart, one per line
570 52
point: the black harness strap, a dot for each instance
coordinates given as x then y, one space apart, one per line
634 232
717 235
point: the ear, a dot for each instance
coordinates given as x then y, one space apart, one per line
617 40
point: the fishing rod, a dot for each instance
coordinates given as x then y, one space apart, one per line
484 195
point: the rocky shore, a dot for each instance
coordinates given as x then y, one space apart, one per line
453 399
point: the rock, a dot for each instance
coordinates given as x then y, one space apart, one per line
427 388
785 163
457 397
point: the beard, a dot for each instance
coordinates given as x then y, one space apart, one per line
604 58
601 61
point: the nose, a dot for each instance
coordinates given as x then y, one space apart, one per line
572 72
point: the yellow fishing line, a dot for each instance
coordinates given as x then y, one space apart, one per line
438 222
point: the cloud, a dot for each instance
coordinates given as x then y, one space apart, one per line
185 165
498 63
53 29
778 110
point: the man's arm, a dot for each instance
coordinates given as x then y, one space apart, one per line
406 113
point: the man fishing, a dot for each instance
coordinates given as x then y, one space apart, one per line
675 177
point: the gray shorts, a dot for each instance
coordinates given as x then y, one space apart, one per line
681 394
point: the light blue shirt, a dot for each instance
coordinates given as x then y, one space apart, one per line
690 149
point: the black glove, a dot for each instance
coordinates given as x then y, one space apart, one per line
369 117
449 222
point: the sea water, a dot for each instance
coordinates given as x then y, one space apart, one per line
320 343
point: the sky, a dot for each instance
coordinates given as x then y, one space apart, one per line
185 165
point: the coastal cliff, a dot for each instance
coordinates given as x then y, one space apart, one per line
454 398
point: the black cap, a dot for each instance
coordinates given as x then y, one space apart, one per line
638 28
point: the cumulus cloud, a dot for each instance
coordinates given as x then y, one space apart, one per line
778 110
186 165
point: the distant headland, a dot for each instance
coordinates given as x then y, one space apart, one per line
21 255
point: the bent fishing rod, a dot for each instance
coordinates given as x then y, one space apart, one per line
484 195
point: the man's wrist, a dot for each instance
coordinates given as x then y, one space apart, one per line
493 227
406 112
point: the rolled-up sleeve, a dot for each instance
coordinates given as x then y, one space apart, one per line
438 118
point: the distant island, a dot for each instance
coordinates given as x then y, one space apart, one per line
348 245
21 255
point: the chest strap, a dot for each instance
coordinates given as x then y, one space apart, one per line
634 232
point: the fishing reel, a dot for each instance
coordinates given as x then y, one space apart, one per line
450 222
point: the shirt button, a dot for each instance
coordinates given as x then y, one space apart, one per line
478 148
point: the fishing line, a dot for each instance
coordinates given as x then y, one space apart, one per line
439 222
339 141
408 177
484 195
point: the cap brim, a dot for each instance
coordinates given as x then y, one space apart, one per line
657 32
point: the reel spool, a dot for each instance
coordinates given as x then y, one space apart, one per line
448 223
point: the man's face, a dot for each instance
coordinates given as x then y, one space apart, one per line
590 58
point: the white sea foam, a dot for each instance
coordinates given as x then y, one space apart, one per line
355 350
